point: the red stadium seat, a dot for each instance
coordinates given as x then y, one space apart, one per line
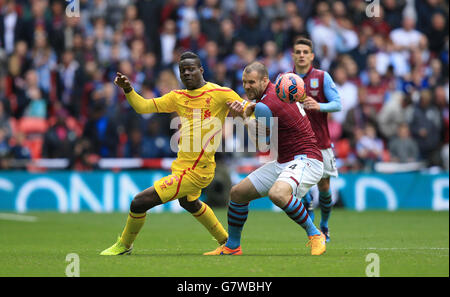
30 125
342 148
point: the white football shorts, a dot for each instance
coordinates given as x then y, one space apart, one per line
301 174
329 163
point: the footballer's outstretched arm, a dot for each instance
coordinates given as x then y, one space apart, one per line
139 103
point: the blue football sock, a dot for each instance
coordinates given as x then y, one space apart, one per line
307 198
325 203
237 215
297 212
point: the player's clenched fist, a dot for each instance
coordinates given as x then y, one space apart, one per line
236 108
249 110
123 82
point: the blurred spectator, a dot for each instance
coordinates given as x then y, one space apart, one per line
407 37
210 17
4 147
240 10
57 27
220 75
277 33
426 10
393 113
359 116
387 56
369 148
69 81
18 148
324 38
31 99
227 37
414 83
101 39
364 48
270 59
84 156
296 27
38 22
186 14
376 90
271 10
435 73
210 58
251 32
59 140
195 40
438 34
20 61
12 26
130 16
168 40
44 60
426 128
347 39
5 125
155 143
37 107
102 132
393 11
402 148
348 91
134 145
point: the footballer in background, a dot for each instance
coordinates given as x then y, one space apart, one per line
322 98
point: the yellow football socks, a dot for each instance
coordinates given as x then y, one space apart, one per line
208 219
134 224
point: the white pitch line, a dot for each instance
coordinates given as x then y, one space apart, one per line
17 217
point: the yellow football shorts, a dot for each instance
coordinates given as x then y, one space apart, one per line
179 184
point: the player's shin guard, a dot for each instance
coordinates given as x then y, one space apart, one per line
297 212
208 219
134 224
325 203
237 216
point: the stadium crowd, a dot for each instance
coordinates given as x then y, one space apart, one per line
58 100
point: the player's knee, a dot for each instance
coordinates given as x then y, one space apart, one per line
278 196
190 206
143 202
138 205
324 185
236 195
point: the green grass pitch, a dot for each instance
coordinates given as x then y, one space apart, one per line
408 243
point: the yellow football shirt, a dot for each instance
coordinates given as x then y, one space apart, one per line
202 113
